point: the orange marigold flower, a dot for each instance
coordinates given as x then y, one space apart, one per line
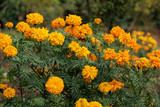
40 34
93 57
34 18
124 38
155 62
109 38
81 102
54 85
84 30
29 32
109 54
97 20
89 72
58 23
82 51
73 46
5 40
75 31
95 104
73 20
151 54
142 62
9 24
3 86
56 38
69 55
115 85
117 31
132 43
134 57
157 53
136 48
10 51
104 87
9 93
68 29
22 27
123 57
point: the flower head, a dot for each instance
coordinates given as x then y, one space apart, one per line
5 40
56 38
142 62
109 38
34 18
54 85
82 52
109 54
93 57
89 72
58 23
3 86
73 46
97 20
124 38
95 104
104 87
9 24
73 20
155 62
22 27
10 51
29 32
115 85
123 57
117 31
81 102
9 93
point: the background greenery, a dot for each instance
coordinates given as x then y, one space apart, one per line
125 13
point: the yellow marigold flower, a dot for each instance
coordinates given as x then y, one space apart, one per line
9 24
22 27
73 20
58 23
39 34
34 18
97 20
157 53
56 38
9 93
3 86
95 104
85 28
82 52
115 85
10 51
117 31
109 38
132 43
89 72
142 62
124 38
73 46
5 40
81 102
54 85
93 57
94 40
123 57
155 62
104 87
109 54
68 29
29 32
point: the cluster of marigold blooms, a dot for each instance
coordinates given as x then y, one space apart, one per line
8 92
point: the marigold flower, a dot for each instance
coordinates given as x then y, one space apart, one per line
115 85
155 62
151 54
136 48
85 29
9 93
10 51
109 38
97 20
124 38
109 54
73 20
134 57
82 51
9 24
68 29
93 57
3 86
104 87
34 18
58 23
156 52
39 34
73 46
69 55
117 31
22 27
89 72
81 102
123 57
142 62
54 85
5 40
75 32
29 32
56 38
94 40
132 43
95 104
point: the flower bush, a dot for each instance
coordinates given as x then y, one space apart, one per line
78 65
